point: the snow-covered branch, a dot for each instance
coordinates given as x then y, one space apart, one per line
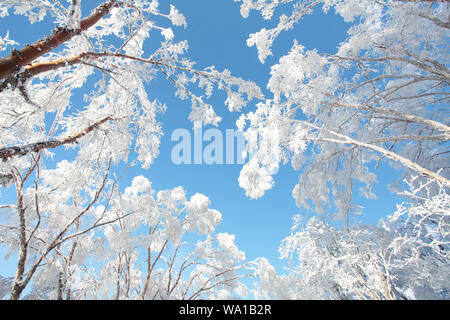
383 93
404 257
9 152
21 58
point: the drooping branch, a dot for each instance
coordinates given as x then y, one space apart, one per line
343 139
9 152
431 66
26 56
436 21
409 117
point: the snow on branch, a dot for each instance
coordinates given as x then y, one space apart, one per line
9 152
380 95
74 17
25 56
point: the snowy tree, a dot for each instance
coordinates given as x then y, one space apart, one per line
405 257
39 79
57 219
381 96
142 252
335 116
50 212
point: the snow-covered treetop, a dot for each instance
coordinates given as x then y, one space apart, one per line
39 81
70 209
336 115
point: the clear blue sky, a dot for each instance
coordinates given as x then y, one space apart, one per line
217 36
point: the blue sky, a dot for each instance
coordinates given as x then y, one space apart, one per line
217 36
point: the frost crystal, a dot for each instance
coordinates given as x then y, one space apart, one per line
176 17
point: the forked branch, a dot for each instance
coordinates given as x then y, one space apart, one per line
21 58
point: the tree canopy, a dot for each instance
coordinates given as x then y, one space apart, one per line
381 97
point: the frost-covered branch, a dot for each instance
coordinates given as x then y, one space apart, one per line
9 152
76 210
400 115
383 92
20 58
404 257
22 279
343 139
